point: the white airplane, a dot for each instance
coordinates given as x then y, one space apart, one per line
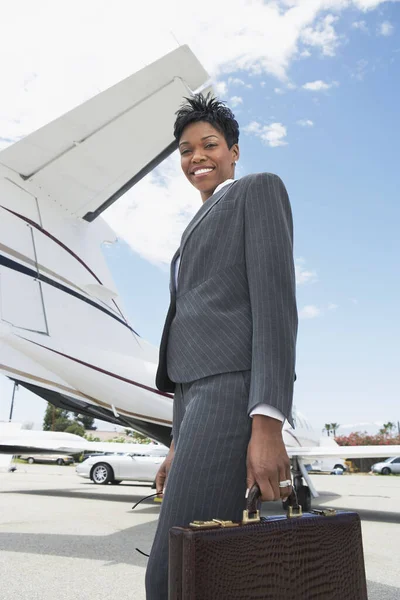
63 334
15 440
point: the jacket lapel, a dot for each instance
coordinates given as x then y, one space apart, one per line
202 212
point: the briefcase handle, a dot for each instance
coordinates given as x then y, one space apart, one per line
253 504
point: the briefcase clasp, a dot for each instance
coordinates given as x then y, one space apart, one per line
293 512
250 517
204 524
326 512
226 523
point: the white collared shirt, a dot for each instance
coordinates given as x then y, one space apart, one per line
262 408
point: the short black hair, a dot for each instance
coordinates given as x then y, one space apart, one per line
209 109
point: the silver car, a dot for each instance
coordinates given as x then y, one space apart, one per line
113 469
60 459
388 466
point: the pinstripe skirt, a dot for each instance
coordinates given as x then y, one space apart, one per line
211 431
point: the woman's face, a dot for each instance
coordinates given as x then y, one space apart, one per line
206 159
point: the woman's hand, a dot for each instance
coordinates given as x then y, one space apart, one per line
267 459
162 473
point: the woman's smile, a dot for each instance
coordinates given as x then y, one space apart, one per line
206 159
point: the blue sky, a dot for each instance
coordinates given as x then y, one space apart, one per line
325 118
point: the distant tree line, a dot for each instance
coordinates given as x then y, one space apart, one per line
59 419
387 436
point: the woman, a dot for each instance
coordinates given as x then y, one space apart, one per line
228 346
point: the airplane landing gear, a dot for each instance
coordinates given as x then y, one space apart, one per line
304 497
302 491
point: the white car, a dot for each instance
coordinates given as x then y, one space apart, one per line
388 466
134 466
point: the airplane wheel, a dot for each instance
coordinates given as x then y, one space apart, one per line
102 474
304 497
386 471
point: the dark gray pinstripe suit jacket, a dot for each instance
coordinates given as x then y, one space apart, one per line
235 309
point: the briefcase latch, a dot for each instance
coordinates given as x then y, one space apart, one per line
204 524
294 511
250 517
213 524
326 512
226 523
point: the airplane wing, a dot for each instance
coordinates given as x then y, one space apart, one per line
49 442
89 157
14 441
344 451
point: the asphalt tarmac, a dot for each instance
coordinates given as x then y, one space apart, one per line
64 538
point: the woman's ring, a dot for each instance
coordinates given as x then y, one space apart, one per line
285 483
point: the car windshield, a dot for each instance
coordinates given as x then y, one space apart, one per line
388 459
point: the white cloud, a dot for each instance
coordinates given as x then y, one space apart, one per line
333 306
318 86
152 216
221 89
309 312
386 28
366 5
236 101
361 26
272 135
305 123
239 82
302 274
323 35
51 69
279 91
253 127
39 84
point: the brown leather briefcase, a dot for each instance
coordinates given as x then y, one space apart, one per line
310 556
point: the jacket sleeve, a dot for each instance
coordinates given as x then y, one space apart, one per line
268 231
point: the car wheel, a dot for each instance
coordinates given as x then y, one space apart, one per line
339 467
386 471
60 461
116 481
102 474
31 461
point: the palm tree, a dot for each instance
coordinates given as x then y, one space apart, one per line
387 428
327 428
334 428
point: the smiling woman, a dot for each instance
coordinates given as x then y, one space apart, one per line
208 154
228 346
